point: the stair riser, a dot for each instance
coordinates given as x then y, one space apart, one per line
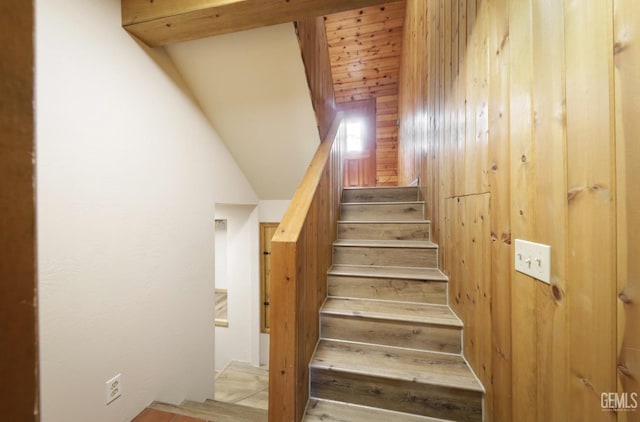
387 231
402 396
396 257
388 289
414 335
380 195
381 212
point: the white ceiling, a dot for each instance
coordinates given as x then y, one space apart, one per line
252 87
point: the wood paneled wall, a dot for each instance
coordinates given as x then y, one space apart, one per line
627 112
301 253
516 116
312 36
387 140
18 289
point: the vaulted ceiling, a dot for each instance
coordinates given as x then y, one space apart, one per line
365 47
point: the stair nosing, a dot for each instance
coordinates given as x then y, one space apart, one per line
390 243
371 272
384 221
383 203
364 188
371 370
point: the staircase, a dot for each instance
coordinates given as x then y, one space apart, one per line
209 410
390 347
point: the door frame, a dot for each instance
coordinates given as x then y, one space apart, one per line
263 279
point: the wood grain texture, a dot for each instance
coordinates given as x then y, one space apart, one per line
209 411
163 22
399 379
414 335
301 256
18 288
627 108
240 380
519 71
387 140
523 291
360 68
380 254
402 290
267 230
384 230
400 211
364 49
389 194
427 400
591 203
313 47
500 208
333 411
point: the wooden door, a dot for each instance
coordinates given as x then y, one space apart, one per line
267 230
360 165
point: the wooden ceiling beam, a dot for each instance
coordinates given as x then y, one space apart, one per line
161 22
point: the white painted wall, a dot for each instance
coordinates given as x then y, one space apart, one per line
241 340
253 88
128 174
221 259
272 211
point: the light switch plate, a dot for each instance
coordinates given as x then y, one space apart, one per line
533 259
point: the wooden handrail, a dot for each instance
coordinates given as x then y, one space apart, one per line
301 252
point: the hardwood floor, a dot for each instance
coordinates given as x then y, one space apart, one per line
241 395
244 384
155 415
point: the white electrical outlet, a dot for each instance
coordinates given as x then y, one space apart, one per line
533 259
114 388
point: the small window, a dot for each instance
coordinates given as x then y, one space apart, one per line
355 135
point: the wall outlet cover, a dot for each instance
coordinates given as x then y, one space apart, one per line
113 388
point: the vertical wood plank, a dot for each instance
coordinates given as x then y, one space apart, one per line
591 209
18 287
481 74
551 207
460 95
282 353
499 180
627 110
524 344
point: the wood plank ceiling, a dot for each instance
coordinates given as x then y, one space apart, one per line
365 47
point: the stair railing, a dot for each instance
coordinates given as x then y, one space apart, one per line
301 254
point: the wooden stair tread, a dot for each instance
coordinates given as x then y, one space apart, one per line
380 193
414 244
213 411
409 273
415 366
348 204
384 221
390 310
333 411
372 188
